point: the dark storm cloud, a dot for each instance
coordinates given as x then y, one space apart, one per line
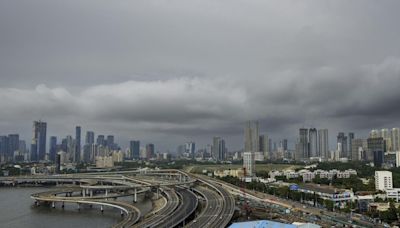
179 70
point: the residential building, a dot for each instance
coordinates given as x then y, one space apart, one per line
134 148
323 143
251 136
383 180
38 146
313 143
249 163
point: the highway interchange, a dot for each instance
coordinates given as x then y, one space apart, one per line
188 201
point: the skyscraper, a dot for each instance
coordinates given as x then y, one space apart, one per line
134 149
53 148
323 143
351 137
342 139
395 138
89 138
78 144
110 142
150 151
377 149
190 148
313 139
13 145
4 151
251 136
264 146
38 146
359 150
101 140
218 149
302 151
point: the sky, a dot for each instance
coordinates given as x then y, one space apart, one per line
171 71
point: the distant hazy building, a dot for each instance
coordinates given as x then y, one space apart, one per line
89 139
150 152
13 145
53 148
38 146
190 148
77 157
218 149
313 142
264 146
101 140
134 148
110 142
249 163
251 136
302 146
395 138
342 139
359 149
350 139
377 149
383 180
323 143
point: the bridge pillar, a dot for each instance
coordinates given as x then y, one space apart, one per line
91 192
101 208
53 204
106 192
122 213
135 196
62 205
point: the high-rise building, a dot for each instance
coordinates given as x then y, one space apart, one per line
53 148
218 149
89 138
78 144
383 180
134 147
251 136
350 139
342 139
359 150
22 149
265 146
302 146
323 143
249 163
313 140
374 133
285 144
110 142
38 146
13 145
395 138
101 140
150 152
190 148
377 149
4 151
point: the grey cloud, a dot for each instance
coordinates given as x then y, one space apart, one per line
183 69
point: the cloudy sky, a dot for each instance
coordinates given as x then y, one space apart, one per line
168 71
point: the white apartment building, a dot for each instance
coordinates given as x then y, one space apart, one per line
249 163
383 180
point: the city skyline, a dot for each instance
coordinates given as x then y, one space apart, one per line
153 78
